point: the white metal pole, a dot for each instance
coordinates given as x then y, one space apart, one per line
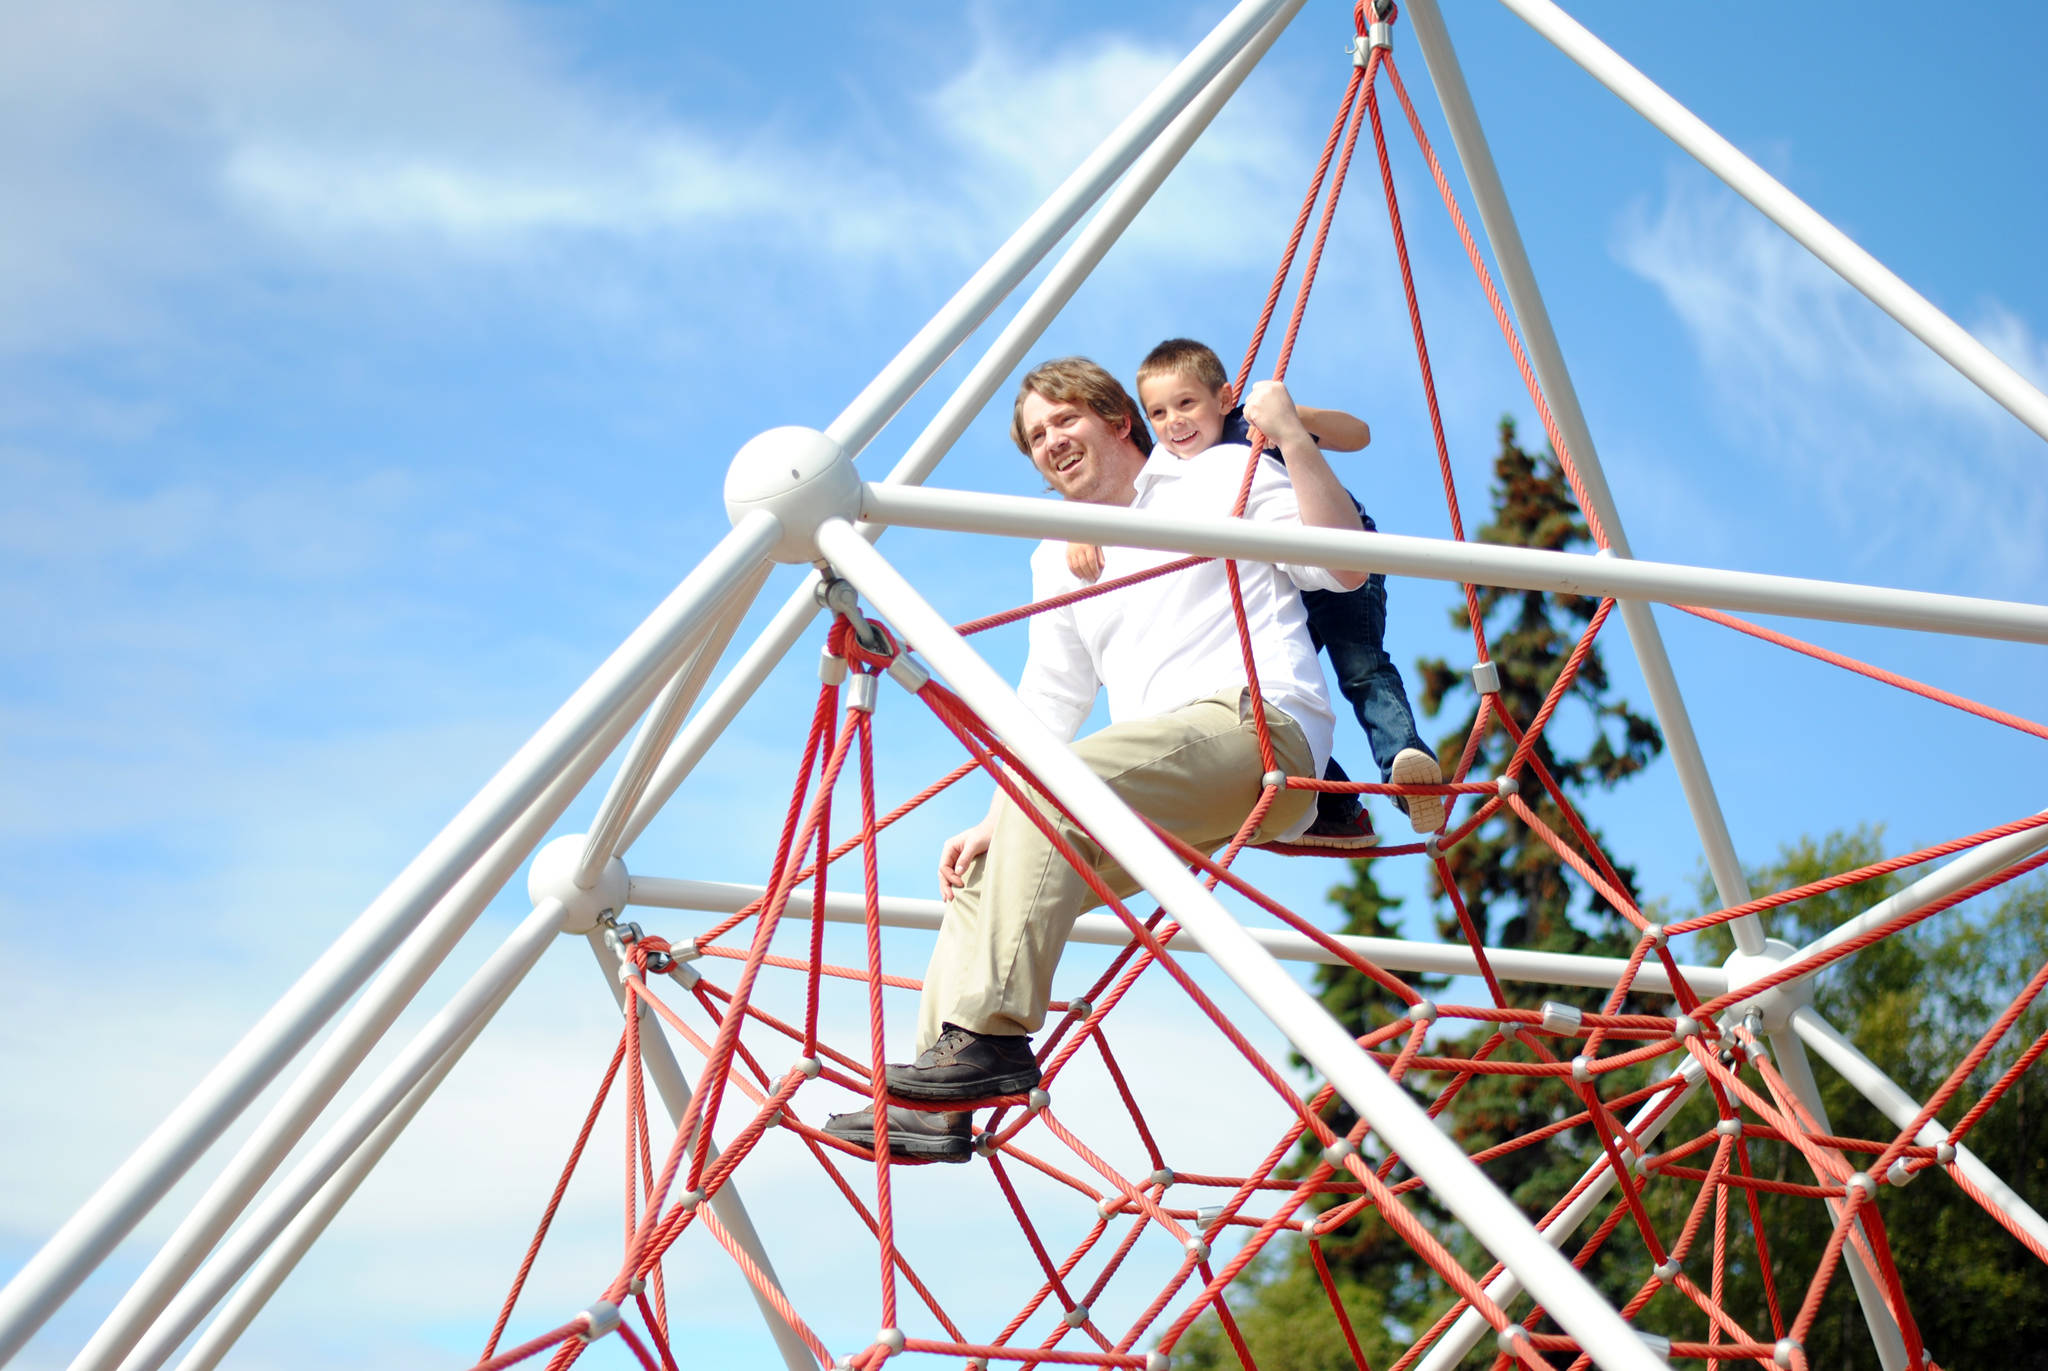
1441 559
664 717
1881 1090
1649 1121
331 1065
1090 244
1967 869
478 998
1498 219
1877 1314
1106 930
1394 1114
674 1088
622 683
1885 290
240 1309
861 420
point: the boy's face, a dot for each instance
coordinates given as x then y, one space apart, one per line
1187 415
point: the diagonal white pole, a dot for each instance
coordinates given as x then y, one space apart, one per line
330 1066
479 997
1090 244
1967 869
1106 930
862 419
1496 216
1395 1115
1649 1121
666 715
1949 339
1441 559
623 683
1881 1090
1797 1073
674 1089
240 1309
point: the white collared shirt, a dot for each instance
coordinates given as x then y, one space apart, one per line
1157 645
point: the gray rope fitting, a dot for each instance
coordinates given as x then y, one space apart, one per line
1336 1153
1162 1177
598 1320
1945 1153
891 1338
1077 1316
1508 785
810 1066
1037 1100
1561 1020
1781 1352
1080 1008
1666 1270
1507 1337
1898 1173
862 694
1422 1011
1274 778
1486 677
1582 1070
1861 1181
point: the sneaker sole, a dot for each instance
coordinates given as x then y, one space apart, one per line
1425 812
939 1092
915 1148
1351 844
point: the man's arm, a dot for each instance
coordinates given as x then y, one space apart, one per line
1322 500
1058 685
1334 430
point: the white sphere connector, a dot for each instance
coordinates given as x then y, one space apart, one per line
1582 1070
1781 1352
1728 1128
1945 1153
1080 1008
1337 1151
1037 1100
800 476
891 1338
1162 1177
1077 1316
810 1067
553 874
1685 1026
1656 934
1508 785
1666 1270
1158 1361
1422 1011
690 1199
1861 1181
1197 1249
1275 779
1506 1339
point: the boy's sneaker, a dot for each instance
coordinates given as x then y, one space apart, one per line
1341 823
967 1066
914 1135
1413 766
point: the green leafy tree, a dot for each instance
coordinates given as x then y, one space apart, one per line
1915 1003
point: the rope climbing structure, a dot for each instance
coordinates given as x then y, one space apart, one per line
1130 1231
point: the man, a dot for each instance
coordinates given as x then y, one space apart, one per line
1181 747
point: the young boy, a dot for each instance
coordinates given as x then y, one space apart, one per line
1186 394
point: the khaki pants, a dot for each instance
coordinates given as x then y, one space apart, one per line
1194 771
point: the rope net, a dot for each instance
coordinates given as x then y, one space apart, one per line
1133 1230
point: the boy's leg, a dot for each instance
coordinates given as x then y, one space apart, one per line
1351 626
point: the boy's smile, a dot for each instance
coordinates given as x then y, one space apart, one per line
1187 415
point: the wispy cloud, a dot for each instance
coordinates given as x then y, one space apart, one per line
1851 415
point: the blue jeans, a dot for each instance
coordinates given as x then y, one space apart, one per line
1350 626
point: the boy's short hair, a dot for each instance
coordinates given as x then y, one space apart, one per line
1078 381
1184 357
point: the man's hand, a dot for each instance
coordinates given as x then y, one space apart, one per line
1271 409
1084 560
959 851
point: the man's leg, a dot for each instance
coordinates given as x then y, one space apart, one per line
1194 771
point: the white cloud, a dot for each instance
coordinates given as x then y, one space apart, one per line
1901 457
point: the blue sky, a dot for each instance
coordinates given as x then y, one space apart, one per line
368 371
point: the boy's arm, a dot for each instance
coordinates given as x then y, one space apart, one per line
1320 496
1334 430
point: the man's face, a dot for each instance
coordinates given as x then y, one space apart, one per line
1079 453
1187 415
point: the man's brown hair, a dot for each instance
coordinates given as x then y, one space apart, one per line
1197 362
1078 381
